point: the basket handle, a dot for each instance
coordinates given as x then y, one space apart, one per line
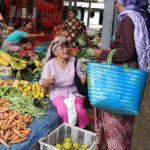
109 58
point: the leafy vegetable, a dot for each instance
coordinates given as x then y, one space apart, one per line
84 53
25 105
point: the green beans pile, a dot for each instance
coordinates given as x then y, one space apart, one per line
25 105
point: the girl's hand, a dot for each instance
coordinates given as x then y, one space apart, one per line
42 34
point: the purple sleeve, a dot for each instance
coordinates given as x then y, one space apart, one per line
45 73
124 42
79 72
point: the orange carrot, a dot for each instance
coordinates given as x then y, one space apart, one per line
12 118
25 131
7 135
30 120
18 126
4 143
15 138
17 132
4 124
24 134
26 116
23 123
12 136
20 140
10 126
1 122
2 133
22 127
1 116
4 110
26 120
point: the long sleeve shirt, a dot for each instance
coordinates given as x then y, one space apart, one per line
124 42
64 79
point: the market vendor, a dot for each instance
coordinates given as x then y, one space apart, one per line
21 31
74 27
132 42
58 73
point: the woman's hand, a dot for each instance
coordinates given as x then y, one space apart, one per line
51 79
83 79
46 83
42 34
97 53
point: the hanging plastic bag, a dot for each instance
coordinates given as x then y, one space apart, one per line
71 110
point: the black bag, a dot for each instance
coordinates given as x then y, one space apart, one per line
82 89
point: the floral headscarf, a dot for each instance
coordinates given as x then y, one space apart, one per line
58 41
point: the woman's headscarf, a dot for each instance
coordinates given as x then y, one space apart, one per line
136 10
58 41
143 4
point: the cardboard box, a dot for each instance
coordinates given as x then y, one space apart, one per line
5 71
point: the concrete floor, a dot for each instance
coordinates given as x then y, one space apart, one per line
141 133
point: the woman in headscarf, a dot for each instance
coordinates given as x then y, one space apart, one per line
74 28
58 73
114 132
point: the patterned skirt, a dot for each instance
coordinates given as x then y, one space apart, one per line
113 132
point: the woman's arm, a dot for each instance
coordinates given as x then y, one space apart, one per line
47 83
44 81
81 75
124 43
35 35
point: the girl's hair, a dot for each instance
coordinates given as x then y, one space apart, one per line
27 21
19 25
74 11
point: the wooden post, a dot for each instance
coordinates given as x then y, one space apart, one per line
89 14
107 23
70 4
75 4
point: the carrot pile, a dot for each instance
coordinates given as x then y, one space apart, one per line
13 126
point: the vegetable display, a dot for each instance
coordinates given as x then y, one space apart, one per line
13 126
17 97
25 105
86 53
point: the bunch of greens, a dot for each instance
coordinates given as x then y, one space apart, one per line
84 53
26 105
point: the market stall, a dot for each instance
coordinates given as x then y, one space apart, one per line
39 128
22 97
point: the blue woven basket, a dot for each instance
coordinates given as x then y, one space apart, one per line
115 89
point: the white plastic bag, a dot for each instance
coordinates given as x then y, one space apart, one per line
71 109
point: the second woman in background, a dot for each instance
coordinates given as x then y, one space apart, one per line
21 31
74 27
